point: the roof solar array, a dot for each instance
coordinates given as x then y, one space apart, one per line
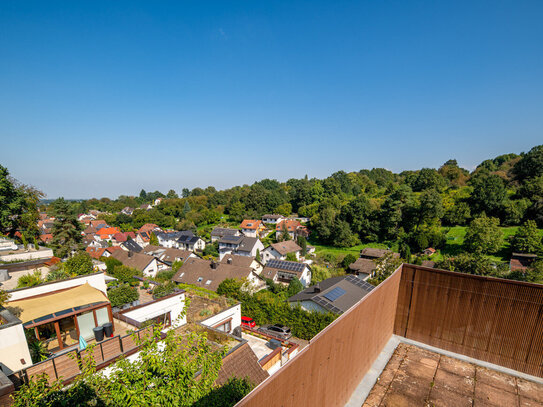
334 294
325 304
359 282
286 265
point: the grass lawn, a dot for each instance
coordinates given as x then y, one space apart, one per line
355 250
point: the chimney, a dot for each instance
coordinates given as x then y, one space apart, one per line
214 265
130 253
229 261
317 288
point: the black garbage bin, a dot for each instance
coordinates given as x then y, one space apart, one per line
98 333
108 329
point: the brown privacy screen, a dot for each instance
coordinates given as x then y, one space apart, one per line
498 321
327 371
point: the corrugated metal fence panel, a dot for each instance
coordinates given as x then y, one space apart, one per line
328 370
498 321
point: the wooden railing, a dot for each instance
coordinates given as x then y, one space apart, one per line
66 366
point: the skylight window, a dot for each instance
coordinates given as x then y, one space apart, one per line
200 279
208 282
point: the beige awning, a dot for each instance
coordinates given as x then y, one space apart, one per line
37 307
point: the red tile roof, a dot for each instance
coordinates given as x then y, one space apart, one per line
148 227
95 252
250 224
108 231
291 225
46 238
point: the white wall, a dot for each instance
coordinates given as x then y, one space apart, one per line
94 280
13 348
232 312
43 253
174 304
305 278
151 269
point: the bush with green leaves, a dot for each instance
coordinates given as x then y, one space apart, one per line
111 263
348 260
266 307
163 290
30 280
177 371
79 264
122 294
126 274
165 275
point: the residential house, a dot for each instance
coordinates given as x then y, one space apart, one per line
107 233
243 261
168 255
218 232
293 227
146 207
336 295
97 252
281 271
99 223
274 219
121 237
158 201
252 228
240 245
209 274
363 268
521 261
46 238
149 265
184 240
149 227
131 246
127 210
143 238
279 251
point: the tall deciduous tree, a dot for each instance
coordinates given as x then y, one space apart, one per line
66 228
527 239
483 235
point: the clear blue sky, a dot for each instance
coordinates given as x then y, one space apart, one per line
104 98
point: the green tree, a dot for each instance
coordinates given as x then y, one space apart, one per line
230 287
122 294
348 260
527 239
30 280
291 257
284 236
79 264
12 203
66 228
258 257
172 194
284 209
186 208
483 235
176 371
530 165
153 240
126 274
294 287
488 194
302 242
470 263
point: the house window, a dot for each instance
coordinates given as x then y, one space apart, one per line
200 279
225 326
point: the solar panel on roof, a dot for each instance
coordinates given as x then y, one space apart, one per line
334 294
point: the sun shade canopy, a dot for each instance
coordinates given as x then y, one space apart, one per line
58 303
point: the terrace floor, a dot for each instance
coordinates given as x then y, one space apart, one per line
418 377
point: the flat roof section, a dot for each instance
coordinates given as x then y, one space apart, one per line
419 377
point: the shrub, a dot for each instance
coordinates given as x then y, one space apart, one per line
163 290
125 274
122 294
165 275
111 263
79 264
30 280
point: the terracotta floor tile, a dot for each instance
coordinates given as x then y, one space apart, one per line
441 396
386 377
453 382
423 356
494 396
456 366
530 390
412 387
496 379
376 396
418 369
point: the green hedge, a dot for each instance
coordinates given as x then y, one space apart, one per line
122 294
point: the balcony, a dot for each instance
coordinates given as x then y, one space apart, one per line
423 336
